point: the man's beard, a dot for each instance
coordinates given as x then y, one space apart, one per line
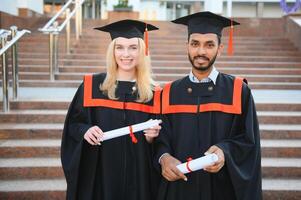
200 68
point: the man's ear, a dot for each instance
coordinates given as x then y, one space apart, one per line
187 46
220 49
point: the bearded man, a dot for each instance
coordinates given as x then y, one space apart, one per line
208 112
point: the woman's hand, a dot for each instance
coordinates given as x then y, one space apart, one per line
151 133
94 135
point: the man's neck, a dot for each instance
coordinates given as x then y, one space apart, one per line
201 74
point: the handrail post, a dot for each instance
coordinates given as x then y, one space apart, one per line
80 19
51 57
55 46
77 27
15 69
5 100
68 32
53 52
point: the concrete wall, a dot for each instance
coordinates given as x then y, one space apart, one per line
264 27
9 6
31 23
34 5
157 10
293 30
248 9
153 11
12 6
148 10
242 10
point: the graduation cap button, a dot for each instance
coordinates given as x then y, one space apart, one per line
189 90
210 88
134 88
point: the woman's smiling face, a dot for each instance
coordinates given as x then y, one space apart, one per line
126 54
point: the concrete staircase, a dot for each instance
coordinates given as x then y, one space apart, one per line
30 133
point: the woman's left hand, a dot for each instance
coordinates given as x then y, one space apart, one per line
151 133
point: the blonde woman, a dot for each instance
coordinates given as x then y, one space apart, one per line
120 168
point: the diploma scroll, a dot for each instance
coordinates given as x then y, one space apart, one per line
197 164
127 130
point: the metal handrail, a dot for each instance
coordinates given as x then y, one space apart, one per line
15 36
55 17
13 40
53 28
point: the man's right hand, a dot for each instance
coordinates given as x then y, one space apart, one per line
169 169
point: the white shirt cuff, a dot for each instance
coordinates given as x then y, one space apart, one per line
162 156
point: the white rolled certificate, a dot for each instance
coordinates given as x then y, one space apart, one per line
197 164
127 130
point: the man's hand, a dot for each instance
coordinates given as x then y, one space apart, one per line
218 164
94 135
169 169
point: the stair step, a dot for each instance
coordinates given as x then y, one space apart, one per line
280 189
58 116
30 168
262 106
281 117
183 70
33 131
281 167
36 104
30 148
168 77
281 148
51 148
56 104
54 131
35 168
34 116
280 131
53 189
76 83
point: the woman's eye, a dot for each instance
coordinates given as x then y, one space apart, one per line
133 48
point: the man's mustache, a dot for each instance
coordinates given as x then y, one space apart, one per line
203 57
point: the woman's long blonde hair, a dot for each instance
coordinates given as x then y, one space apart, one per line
144 81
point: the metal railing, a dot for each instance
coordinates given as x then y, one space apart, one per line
5 45
53 29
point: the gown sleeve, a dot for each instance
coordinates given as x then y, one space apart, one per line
77 122
163 141
242 151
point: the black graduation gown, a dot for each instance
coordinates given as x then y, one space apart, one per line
199 115
117 169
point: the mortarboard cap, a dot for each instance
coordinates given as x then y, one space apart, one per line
205 22
127 28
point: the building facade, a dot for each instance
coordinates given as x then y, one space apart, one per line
153 9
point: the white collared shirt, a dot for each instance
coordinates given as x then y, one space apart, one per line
212 77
